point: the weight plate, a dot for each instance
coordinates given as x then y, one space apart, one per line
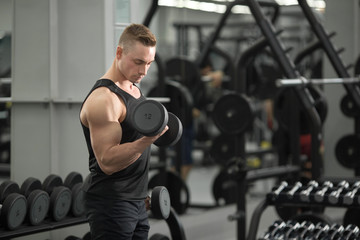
13 211
184 71
7 187
160 202
158 236
348 107
173 134
51 182
233 114
223 148
347 151
352 217
178 190
30 184
87 236
60 202
284 106
224 189
72 179
149 117
181 101
77 196
38 206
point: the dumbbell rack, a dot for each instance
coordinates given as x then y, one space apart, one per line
295 201
46 225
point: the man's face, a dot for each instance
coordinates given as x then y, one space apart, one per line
135 63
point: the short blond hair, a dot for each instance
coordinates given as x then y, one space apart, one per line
136 32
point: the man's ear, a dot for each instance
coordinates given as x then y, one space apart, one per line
119 52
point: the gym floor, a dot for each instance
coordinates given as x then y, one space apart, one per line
213 224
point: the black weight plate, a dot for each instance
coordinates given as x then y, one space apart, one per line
160 202
173 134
178 190
312 217
60 202
184 71
181 102
13 211
224 189
30 184
51 182
38 206
77 196
149 117
352 217
71 237
87 236
73 178
7 187
223 148
347 151
348 107
158 236
233 114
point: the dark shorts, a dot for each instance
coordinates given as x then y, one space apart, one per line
115 219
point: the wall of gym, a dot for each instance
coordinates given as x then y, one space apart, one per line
63 46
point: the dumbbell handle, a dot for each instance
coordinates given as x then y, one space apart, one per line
276 193
319 195
290 194
334 196
349 196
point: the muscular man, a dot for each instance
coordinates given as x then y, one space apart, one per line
118 155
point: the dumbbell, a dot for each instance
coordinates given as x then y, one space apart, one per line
274 229
334 195
305 194
320 195
160 204
335 231
74 181
296 187
305 229
13 205
60 197
150 118
349 196
351 232
38 201
280 188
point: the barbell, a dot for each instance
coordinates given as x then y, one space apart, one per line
302 81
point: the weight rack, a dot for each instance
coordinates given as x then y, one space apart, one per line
282 199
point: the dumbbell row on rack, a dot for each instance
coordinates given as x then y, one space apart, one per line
328 193
34 201
308 230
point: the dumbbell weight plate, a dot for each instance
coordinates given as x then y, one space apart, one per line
160 202
13 211
60 202
7 187
51 182
149 117
72 179
30 184
38 206
77 196
173 134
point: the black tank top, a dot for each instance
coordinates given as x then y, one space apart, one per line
127 184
